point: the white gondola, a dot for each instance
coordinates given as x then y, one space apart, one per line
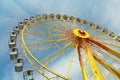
13 35
18 65
72 18
26 21
65 17
105 31
78 20
16 29
51 16
85 22
28 75
45 16
58 16
118 38
38 17
32 19
13 53
20 25
12 43
98 27
112 34
92 24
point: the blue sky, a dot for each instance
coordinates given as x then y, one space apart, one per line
103 12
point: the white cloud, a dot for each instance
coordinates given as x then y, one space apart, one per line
111 14
12 10
106 13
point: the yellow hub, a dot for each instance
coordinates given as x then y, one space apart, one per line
81 34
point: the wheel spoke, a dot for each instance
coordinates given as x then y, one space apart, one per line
48 39
33 65
36 33
107 66
84 74
105 54
70 65
96 72
57 26
46 42
55 53
56 56
115 53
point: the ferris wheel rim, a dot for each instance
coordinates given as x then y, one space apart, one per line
23 42
45 67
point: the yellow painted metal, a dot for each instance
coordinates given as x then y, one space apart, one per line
84 73
36 68
73 23
108 41
75 31
35 59
70 65
59 30
106 55
109 44
55 57
64 26
46 42
45 34
37 33
113 52
37 50
43 27
108 67
94 67
61 25
91 30
54 53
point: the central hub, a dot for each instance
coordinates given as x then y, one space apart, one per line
81 33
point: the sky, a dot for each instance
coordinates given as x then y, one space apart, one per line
103 12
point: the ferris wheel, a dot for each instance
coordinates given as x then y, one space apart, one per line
61 47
